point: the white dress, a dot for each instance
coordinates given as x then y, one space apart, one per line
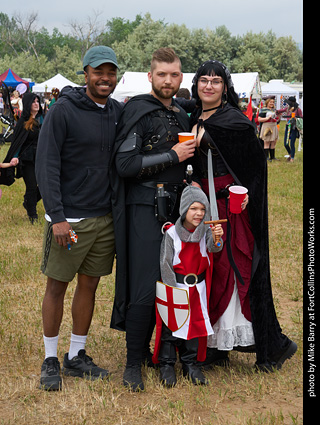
232 329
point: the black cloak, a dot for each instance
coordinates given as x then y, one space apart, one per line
136 108
133 111
235 139
20 135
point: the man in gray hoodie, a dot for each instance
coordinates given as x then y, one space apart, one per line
72 170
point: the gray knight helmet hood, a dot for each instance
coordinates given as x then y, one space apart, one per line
190 195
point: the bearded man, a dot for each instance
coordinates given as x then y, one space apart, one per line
153 164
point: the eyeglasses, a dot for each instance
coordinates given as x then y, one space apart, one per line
204 82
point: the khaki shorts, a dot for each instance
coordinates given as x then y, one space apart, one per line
92 255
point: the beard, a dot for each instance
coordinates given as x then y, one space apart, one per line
164 94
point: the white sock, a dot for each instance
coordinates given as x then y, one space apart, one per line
50 346
77 343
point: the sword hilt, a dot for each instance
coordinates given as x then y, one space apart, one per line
217 242
214 222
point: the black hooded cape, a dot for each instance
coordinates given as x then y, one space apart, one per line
20 135
235 139
133 111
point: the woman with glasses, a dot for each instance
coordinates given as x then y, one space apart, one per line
241 305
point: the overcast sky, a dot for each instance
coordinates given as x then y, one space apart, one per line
283 17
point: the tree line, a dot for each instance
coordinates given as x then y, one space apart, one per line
39 55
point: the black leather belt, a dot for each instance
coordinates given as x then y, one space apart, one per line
190 279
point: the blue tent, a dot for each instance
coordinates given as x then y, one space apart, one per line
12 79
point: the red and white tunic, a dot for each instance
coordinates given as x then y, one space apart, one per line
193 257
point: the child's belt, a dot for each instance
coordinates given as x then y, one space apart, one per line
190 279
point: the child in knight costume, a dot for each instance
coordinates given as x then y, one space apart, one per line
186 268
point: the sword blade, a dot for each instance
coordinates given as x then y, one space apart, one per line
212 192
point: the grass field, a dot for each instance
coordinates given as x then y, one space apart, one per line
237 395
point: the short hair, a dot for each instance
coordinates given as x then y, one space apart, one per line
185 93
164 54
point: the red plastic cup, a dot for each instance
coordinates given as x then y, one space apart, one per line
183 137
237 195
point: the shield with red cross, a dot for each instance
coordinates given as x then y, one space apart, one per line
173 305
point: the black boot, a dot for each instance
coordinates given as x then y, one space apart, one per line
132 378
30 207
188 351
272 155
138 319
266 151
284 354
192 371
167 375
167 358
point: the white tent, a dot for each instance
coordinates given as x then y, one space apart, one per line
280 90
131 84
134 83
247 84
58 81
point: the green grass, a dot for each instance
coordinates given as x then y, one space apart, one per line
236 395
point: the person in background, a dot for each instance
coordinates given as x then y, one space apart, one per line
269 118
184 93
17 104
1 104
12 163
24 147
54 96
291 133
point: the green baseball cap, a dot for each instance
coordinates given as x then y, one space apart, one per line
98 55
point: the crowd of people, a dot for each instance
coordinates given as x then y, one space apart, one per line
113 180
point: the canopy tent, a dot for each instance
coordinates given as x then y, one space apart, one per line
280 91
247 84
11 79
133 83
58 81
